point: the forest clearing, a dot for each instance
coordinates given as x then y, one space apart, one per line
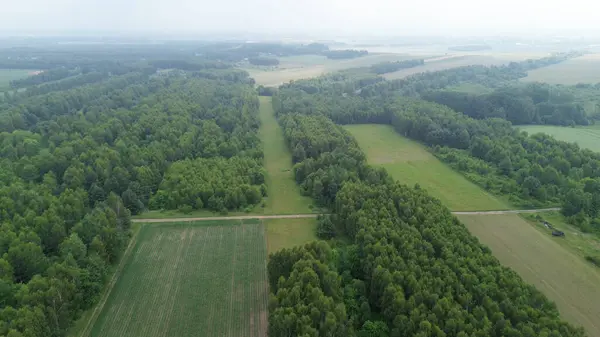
410 163
565 278
204 279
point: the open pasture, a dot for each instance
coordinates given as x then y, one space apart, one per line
587 137
584 69
191 279
539 259
409 162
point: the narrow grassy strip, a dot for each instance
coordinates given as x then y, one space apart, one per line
284 195
410 163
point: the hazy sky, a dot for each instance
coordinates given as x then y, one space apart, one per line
381 17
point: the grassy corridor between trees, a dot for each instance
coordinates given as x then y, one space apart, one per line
191 279
561 275
284 195
410 163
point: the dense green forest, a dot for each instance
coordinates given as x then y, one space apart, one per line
95 139
401 264
534 103
532 171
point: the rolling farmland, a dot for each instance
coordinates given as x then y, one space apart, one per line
202 279
307 66
410 163
584 69
564 277
585 137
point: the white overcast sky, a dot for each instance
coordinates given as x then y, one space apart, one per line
381 17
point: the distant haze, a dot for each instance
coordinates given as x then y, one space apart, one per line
323 17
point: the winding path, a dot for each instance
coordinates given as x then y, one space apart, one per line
297 216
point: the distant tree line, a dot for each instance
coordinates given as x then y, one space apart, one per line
389 67
43 77
263 61
344 54
405 266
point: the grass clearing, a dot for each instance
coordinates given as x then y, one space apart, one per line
409 162
587 137
191 279
283 193
287 233
540 260
583 69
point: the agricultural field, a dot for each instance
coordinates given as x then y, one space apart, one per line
584 69
7 75
283 193
287 233
539 259
409 162
190 279
586 137
447 62
307 66
582 244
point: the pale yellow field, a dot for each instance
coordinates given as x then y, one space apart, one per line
584 69
308 66
567 279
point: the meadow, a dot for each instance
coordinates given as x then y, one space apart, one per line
539 259
7 75
409 162
584 69
190 279
587 137
283 193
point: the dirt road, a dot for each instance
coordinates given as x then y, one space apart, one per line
296 216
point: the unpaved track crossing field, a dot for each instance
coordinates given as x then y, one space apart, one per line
191 279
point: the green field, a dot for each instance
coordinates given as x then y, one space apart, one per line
287 233
584 69
7 75
539 259
307 66
191 279
283 193
410 163
587 137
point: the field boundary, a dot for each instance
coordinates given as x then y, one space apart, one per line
100 306
300 216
